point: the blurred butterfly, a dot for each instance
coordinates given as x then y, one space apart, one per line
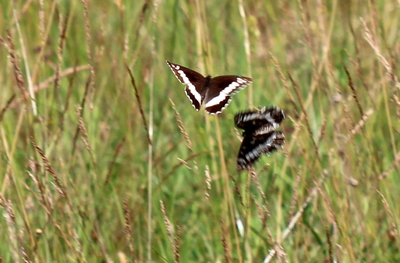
259 134
215 93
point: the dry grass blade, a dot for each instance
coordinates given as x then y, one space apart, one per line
10 219
85 137
236 189
391 167
7 106
17 72
208 182
88 44
173 240
63 24
67 100
361 77
284 82
139 104
128 229
182 127
25 256
78 246
27 68
297 216
82 106
145 7
40 186
257 183
59 186
328 203
359 126
246 43
87 29
393 229
63 74
330 247
181 163
225 240
322 133
177 244
371 40
12 230
42 24
185 164
353 90
117 152
280 253
47 82
307 121
295 195
264 214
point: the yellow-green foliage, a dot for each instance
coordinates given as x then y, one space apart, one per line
90 174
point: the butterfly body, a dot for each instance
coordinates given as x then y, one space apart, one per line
214 93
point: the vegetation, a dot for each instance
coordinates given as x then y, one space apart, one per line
103 159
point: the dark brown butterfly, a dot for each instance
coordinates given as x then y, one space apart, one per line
259 134
215 93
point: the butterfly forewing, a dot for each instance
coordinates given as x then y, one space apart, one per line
185 75
194 82
252 120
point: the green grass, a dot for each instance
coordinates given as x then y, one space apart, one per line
87 174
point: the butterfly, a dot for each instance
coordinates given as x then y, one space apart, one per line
215 93
259 134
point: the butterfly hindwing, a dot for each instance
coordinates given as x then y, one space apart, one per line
219 107
195 102
221 89
253 147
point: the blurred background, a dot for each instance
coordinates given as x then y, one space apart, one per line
103 158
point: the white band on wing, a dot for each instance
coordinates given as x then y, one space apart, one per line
232 88
190 86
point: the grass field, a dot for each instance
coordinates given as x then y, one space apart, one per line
103 158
